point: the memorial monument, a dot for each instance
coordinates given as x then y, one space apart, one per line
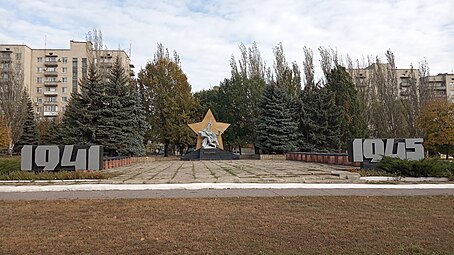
209 140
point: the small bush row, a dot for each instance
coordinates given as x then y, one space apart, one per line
59 175
428 167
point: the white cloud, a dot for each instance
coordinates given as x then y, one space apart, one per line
207 33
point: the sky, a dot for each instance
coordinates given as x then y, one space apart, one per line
206 34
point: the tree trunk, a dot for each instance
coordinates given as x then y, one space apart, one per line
239 148
166 147
256 150
10 148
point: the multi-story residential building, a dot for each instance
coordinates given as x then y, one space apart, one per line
442 84
51 75
401 78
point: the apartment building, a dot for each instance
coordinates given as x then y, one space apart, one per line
442 84
51 75
402 80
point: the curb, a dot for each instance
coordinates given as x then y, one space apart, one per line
216 186
404 179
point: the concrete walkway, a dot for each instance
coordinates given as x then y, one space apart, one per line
236 171
108 191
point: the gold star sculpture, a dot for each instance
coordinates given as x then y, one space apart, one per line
209 122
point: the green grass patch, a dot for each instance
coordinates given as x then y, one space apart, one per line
428 167
8 165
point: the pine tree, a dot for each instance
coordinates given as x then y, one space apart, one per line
51 132
320 121
124 122
353 124
106 112
30 130
82 114
276 129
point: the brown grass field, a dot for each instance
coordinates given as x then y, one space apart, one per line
290 225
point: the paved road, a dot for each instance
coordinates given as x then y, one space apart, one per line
100 191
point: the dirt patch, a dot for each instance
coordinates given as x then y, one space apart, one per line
294 225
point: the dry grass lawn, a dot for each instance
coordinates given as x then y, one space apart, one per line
294 225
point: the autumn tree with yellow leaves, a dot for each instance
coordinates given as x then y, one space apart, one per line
437 122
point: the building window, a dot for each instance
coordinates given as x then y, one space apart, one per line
65 60
64 99
64 79
75 83
64 69
39 90
51 79
39 59
39 69
18 66
51 89
63 108
18 56
84 67
39 79
64 90
51 69
51 99
51 59
39 100
50 108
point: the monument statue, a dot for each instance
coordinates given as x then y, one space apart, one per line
209 132
210 138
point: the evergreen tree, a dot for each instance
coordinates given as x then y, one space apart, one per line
82 114
320 121
51 132
30 130
105 112
124 125
353 124
276 129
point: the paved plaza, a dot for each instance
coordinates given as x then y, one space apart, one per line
235 171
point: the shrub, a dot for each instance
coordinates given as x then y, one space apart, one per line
428 167
59 175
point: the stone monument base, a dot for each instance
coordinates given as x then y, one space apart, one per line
210 154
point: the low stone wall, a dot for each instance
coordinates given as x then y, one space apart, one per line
326 158
116 162
272 157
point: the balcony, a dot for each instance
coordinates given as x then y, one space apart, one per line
50 73
46 103
439 88
50 83
51 93
5 59
105 64
51 63
50 114
404 84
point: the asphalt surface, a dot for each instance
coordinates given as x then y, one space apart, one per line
99 191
